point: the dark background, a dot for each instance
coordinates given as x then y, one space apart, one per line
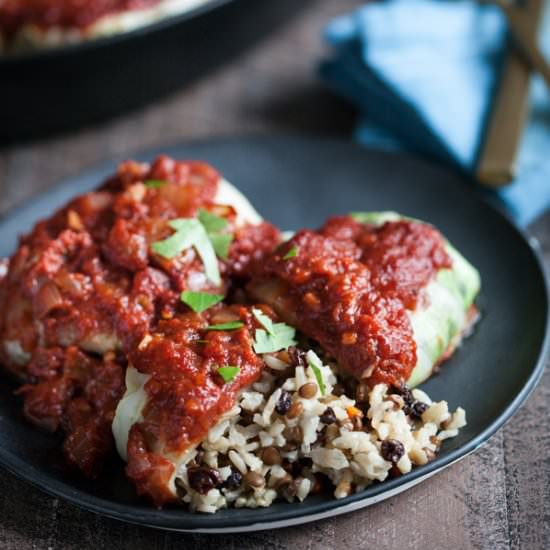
495 498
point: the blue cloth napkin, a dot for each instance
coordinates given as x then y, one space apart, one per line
424 74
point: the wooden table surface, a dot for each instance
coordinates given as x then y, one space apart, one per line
498 497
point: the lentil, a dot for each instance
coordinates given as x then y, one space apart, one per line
308 391
271 456
254 479
295 410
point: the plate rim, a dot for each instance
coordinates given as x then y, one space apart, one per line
144 515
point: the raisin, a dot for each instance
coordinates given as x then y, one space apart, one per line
284 403
202 479
392 450
417 409
328 416
406 394
233 482
412 406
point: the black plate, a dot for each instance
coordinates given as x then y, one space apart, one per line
48 91
299 182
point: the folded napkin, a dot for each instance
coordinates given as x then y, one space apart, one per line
424 74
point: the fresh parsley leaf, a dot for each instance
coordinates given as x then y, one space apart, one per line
187 225
264 320
214 225
292 253
199 301
221 243
275 337
169 248
232 325
228 373
154 184
190 232
317 372
211 222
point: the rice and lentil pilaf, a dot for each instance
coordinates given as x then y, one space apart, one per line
294 432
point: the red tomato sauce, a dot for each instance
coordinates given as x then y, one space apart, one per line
349 288
78 394
85 287
15 14
186 394
403 256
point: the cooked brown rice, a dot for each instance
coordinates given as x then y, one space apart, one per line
275 443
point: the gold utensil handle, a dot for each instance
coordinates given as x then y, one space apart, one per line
525 38
497 162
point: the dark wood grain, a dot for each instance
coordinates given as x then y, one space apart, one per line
496 498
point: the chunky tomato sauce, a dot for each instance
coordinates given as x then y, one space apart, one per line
85 295
15 14
186 394
78 394
402 256
85 287
349 287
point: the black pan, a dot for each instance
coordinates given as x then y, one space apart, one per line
64 88
299 182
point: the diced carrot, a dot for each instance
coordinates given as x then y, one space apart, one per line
353 411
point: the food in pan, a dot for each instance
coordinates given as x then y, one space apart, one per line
161 318
30 24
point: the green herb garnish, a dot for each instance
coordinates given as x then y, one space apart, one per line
232 325
214 225
204 234
190 232
292 253
199 301
221 243
211 222
154 184
228 373
317 372
275 337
